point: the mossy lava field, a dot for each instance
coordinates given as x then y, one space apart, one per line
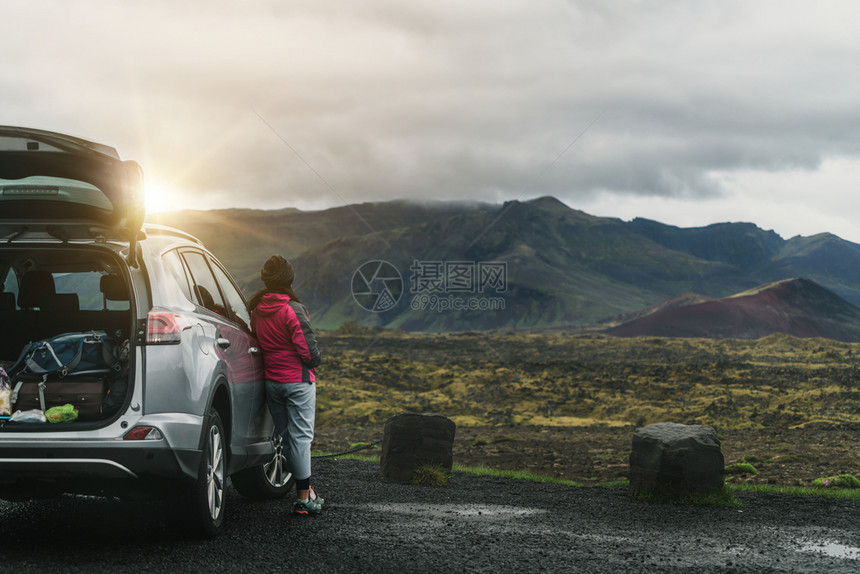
566 405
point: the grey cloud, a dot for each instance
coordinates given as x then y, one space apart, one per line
391 99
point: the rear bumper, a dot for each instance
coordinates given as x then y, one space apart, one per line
66 459
40 468
114 463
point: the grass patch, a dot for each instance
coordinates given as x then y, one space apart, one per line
838 481
366 445
615 483
725 497
741 468
431 476
480 442
484 471
832 493
750 458
836 493
513 474
351 456
361 457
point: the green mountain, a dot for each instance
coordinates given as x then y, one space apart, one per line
244 238
742 245
824 258
455 266
563 267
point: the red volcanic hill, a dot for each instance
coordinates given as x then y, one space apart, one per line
797 307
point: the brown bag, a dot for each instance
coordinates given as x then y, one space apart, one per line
85 394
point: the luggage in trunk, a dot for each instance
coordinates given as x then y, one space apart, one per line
74 368
84 392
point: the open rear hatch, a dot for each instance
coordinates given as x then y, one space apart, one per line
67 187
57 195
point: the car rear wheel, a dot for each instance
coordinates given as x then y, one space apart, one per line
205 498
267 481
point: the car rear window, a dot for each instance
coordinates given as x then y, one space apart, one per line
87 286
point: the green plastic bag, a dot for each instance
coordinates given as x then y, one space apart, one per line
62 414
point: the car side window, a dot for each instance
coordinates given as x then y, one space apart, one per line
205 289
10 284
235 302
174 266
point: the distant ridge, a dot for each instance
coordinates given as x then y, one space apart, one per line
797 307
564 267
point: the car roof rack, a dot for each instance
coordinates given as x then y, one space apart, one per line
156 229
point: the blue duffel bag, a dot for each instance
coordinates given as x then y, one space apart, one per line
68 354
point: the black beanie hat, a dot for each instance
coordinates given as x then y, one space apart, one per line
277 272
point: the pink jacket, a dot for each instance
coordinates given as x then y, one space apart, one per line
283 329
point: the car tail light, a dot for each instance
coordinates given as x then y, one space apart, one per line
164 327
143 433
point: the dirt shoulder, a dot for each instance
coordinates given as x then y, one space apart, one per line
784 457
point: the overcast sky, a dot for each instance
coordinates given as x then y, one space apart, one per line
685 112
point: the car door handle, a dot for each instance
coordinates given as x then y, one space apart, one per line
253 351
222 342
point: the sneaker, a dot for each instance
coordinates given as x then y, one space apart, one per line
305 508
312 494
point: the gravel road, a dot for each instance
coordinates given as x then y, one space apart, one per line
477 524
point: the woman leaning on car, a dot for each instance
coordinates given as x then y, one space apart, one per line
290 355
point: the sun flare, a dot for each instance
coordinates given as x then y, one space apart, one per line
157 198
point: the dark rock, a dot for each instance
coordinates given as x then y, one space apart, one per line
415 440
676 460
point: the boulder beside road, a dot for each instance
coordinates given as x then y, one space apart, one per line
414 440
676 460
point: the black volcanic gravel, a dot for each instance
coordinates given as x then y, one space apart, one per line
477 524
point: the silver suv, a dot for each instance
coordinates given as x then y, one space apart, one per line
185 407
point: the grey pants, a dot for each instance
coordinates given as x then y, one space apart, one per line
293 406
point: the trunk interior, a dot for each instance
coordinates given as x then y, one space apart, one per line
49 291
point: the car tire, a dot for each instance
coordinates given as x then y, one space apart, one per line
204 499
267 481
